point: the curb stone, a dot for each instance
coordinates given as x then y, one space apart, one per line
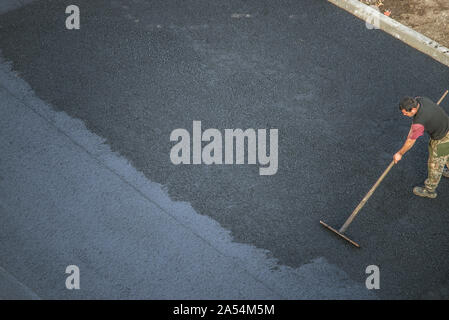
405 34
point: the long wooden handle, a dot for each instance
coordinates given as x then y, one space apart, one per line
365 199
444 96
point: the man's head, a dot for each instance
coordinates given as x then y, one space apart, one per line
409 106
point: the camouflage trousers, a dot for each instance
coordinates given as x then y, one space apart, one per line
438 158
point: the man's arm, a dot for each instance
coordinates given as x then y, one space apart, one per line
415 132
406 147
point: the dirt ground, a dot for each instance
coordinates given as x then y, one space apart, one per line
429 17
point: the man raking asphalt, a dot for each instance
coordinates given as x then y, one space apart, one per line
427 117
431 118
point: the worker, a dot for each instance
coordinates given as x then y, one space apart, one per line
427 117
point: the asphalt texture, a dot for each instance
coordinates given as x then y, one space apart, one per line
136 70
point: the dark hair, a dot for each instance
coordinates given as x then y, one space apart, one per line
408 103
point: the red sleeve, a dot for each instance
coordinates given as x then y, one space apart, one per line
416 132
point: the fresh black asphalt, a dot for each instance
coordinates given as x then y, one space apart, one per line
136 70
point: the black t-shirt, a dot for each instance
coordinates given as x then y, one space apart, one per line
432 117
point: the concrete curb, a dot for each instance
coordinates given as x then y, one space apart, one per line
396 29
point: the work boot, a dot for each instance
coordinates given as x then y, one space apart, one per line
446 172
423 192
